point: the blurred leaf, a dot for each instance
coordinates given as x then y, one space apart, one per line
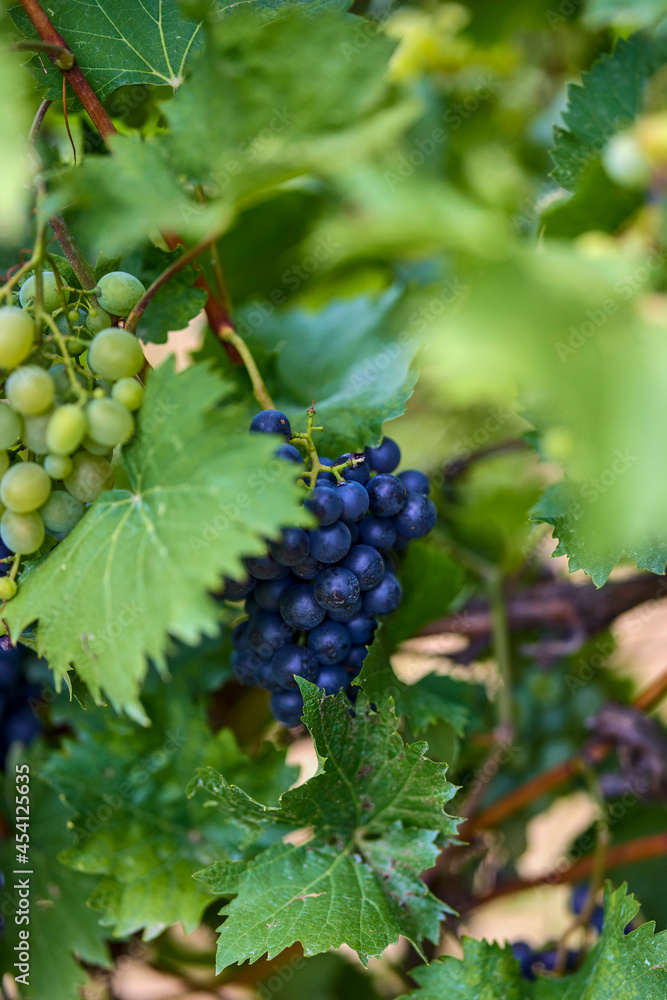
598 204
431 582
173 305
15 166
623 13
606 102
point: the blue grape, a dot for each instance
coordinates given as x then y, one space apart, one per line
240 635
290 662
299 608
385 597
332 679
251 607
265 677
271 422
291 548
22 725
10 668
336 589
367 565
361 629
329 643
578 898
264 567
354 531
597 919
309 568
417 518
385 457
345 616
246 665
378 532
355 473
355 660
325 504
386 494
267 593
287 707
236 590
289 453
355 500
415 482
329 543
267 632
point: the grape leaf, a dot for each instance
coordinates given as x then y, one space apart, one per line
632 966
431 583
375 809
132 822
61 925
276 123
353 358
118 43
137 567
176 303
607 101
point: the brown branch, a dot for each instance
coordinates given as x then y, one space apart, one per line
520 797
74 76
642 849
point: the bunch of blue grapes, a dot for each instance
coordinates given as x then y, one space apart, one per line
314 600
18 722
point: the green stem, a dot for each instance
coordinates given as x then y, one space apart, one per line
37 121
62 57
77 388
260 392
306 439
501 648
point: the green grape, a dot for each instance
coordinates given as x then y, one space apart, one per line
34 433
22 533
96 449
10 426
90 476
25 487
8 588
30 390
58 466
66 430
49 292
4 462
119 292
109 423
98 319
17 335
61 512
129 393
76 346
115 354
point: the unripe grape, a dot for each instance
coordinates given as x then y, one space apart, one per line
115 354
51 299
8 588
22 533
109 423
30 390
10 426
128 392
4 462
76 346
17 335
34 433
61 512
66 430
96 449
98 319
90 476
25 487
58 466
119 292
74 315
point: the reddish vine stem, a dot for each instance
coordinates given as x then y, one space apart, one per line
641 849
515 800
74 76
218 318
71 250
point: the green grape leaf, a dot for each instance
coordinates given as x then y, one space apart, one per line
374 810
574 527
132 821
276 124
118 43
632 966
430 700
623 13
353 358
176 303
607 101
61 925
431 583
138 567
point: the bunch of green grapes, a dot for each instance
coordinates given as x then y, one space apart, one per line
71 392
